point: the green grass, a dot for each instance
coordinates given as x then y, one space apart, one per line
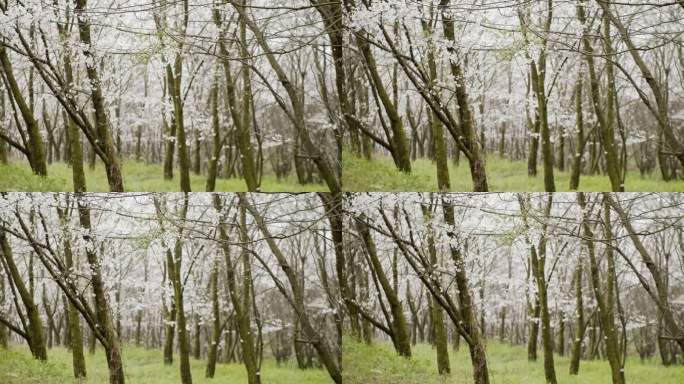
380 174
379 364
138 177
141 366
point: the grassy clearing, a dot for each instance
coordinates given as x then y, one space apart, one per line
141 366
380 174
138 177
379 364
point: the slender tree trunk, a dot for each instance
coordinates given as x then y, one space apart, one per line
73 323
215 324
436 312
181 323
216 139
538 262
576 352
576 166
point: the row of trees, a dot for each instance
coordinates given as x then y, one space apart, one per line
592 275
230 278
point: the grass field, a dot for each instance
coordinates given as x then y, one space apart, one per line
141 366
138 177
379 364
380 174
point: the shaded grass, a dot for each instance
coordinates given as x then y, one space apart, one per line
380 174
141 366
138 177
379 364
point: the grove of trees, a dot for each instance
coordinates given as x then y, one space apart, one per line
235 278
591 87
595 276
260 90
230 89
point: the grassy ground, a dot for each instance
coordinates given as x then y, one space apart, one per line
380 174
379 364
138 177
141 367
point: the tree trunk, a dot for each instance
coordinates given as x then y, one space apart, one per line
73 323
103 127
215 324
34 328
103 314
401 338
576 352
216 140
604 294
476 346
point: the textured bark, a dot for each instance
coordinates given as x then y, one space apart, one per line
241 117
438 327
576 165
538 262
215 324
398 140
436 128
603 294
175 264
240 297
477 165
216 139
478 356
334 204
35 147
73 134
102 125
73 323
576 352
399 326
103 313
34 328
604 112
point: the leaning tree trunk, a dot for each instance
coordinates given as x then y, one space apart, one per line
34 328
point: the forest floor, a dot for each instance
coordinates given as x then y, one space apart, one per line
141 366
380 174
379 364
138 177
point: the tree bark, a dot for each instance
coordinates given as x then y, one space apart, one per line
103 127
